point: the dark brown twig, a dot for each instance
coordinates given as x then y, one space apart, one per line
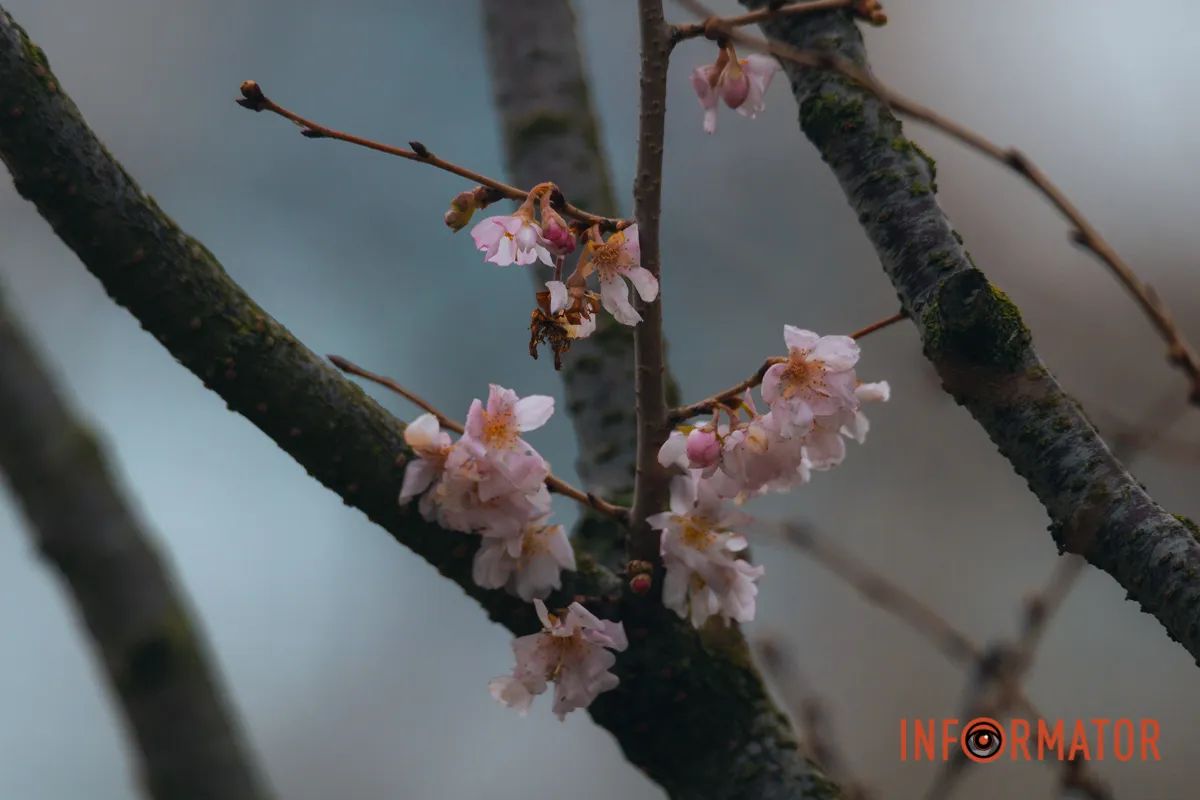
715 27
553 483
254 99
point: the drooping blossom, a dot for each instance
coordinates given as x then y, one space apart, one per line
704 576
614 261
816 380
573 651
573 308
530 564
512 239
740 83
432 445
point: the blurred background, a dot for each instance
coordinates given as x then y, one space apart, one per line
360 673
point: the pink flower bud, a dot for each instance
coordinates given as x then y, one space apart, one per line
557 234
734 85
640 584
703 448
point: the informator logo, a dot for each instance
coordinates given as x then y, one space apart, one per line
984 739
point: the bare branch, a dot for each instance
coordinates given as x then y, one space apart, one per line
254 99
153 656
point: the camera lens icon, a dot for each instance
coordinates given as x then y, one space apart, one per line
982 740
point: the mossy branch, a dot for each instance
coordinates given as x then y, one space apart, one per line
188 745
675 684
974 336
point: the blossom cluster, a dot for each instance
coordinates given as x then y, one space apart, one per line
491 482
814 399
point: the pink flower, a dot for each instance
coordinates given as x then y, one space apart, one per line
741 83
499 426
704 576
616 260
511 239
529 564
432 445
816 380
572 651
478 494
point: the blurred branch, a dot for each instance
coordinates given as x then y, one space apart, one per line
734 393
816 729
798 50
254 99
187 741
178 291
553 482
974 336
987 664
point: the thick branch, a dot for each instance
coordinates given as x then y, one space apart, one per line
650 489
188 743
674 683
975 338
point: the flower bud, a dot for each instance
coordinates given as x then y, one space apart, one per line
462 208
703 448
640 584
557 233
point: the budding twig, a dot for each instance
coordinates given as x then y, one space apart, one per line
734 393
553 483
254 99
1179 351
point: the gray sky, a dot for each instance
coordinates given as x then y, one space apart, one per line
359 672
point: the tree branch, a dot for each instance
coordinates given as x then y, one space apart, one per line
254 99
674 682
974 336
651 482
187 741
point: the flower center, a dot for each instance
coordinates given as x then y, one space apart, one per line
499 432
801 375
607 258
697 533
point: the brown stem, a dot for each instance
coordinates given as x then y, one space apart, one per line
651 479
715 27
254 99
553 483
1179 351
734 392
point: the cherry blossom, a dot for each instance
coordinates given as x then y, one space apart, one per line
704 576
614 261
816 380
572 651
431 444
740 83
529 564
513 239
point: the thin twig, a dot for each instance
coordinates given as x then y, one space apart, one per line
733 393
553 483
717 26
1179 351
254 99
651 479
